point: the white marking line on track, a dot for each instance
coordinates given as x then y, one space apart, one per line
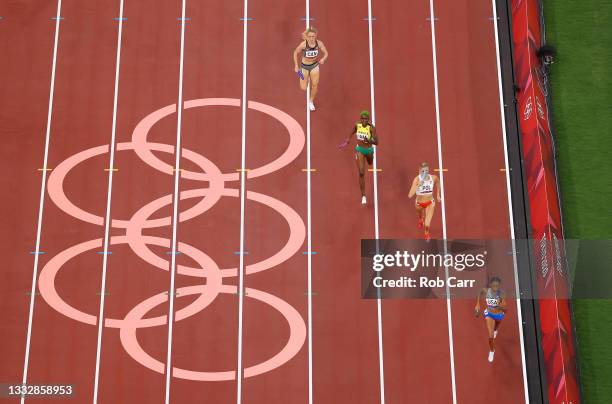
509 194
309 171
177 176
443 203
108 207
43 184
243 174
381 366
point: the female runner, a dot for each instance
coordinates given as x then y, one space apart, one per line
495 311
366 137
308 72
423 186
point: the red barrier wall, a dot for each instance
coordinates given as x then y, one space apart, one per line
538 155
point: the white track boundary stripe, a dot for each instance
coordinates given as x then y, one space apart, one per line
43 185
309 227
449 313
177 176
509 194
107 219
243 175
381 367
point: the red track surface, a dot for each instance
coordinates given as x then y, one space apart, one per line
417 361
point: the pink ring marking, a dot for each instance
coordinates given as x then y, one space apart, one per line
297 336
46 284
58 175
208 268
295 147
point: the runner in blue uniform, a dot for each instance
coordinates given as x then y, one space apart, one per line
495 311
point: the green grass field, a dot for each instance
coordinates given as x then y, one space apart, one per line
581 80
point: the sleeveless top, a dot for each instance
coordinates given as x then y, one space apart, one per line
493 299
309 52
364 133
425 186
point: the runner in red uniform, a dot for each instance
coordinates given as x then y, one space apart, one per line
423 186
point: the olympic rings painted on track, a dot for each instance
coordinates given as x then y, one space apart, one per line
206 266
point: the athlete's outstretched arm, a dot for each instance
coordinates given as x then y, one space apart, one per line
413 188
502 302
481 295
374 139
296 52
348 139
324 51
437 181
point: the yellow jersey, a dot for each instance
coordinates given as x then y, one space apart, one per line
364 133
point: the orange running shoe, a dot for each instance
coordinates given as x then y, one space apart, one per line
426 236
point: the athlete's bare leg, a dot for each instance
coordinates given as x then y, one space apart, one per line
314 83
491 327
304 83
429 212
360 160
420 215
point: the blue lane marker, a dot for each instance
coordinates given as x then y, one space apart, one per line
311 253
176 253
37 252
120 18
366 19
304 18
248 19
181 19
238 253
56 18
103 253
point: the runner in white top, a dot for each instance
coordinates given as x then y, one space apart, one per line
423 186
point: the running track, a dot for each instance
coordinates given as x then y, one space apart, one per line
250 208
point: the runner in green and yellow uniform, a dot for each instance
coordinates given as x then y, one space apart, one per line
364 151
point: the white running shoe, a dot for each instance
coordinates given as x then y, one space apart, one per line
494 333
311 106
363 200
491 355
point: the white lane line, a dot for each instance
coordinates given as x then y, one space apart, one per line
449 313
243 174
309 224
309 227
381 366
177 176
509 194
107 219
43 185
